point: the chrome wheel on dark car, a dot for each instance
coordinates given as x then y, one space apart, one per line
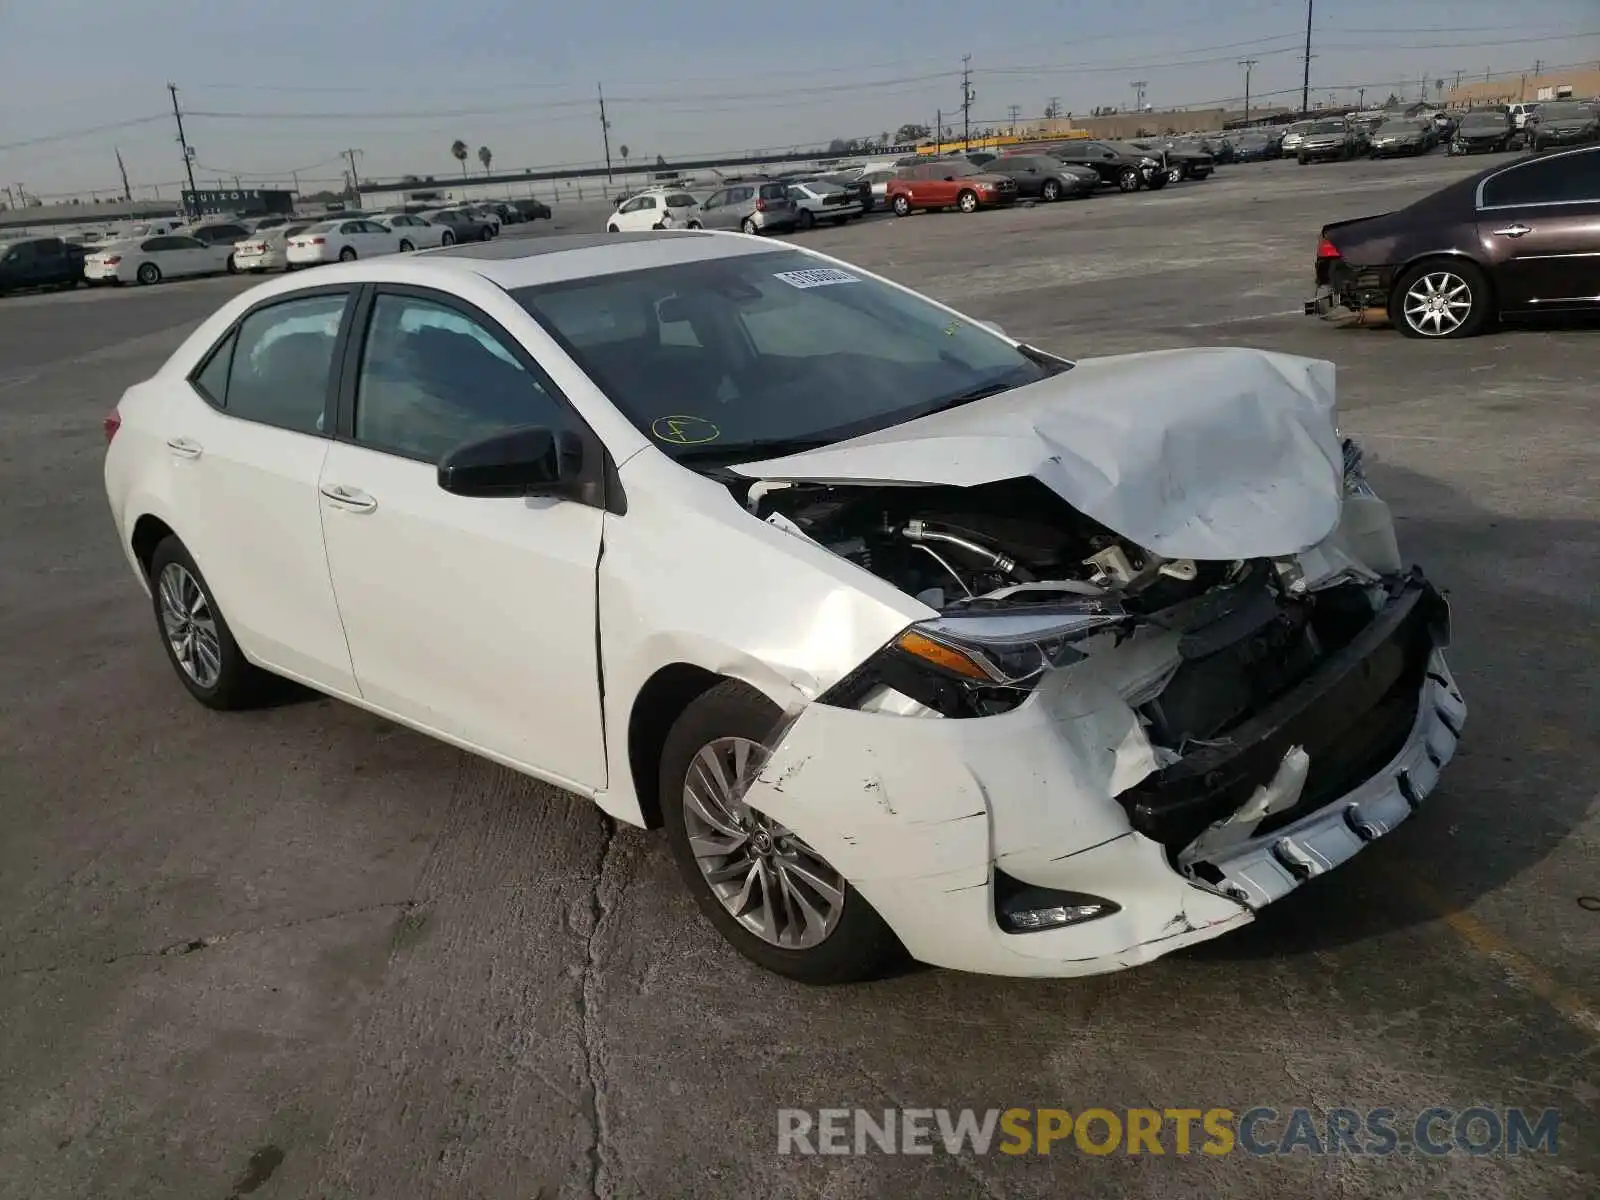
1438 300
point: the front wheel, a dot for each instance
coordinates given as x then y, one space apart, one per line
1174 174
967 201
1441 300
1303 159
767 891
1129 180
487 234
901 206
695 225
196 636
233 267
447 238
348 254
405 246
612 229
806 219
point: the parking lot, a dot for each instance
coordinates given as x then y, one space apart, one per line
304 952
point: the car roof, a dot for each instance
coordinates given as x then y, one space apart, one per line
524 262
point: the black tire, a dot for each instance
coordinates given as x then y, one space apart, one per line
148 274
348 254
967 201
1303 159
612 229
748 225
233 266
239 683
1177 174
861 946
447 238
1051 190
487 234
1130 180
901 206
1479 295
405 246
806 219
695 225
841 220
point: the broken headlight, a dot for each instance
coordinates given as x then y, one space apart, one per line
973 664
1355 469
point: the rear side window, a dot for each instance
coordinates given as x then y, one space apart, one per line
1563 179
279 364
773 191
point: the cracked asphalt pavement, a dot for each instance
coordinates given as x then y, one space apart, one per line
304 952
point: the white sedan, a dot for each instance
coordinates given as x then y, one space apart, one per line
267 249
415 233
819 200
147 261
341 241
914 639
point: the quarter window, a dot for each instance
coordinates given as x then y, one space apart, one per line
433 378
282 363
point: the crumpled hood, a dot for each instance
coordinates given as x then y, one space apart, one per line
1209 453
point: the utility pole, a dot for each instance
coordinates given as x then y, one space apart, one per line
1538 66
1305 82
183 142
355 180
967 95
1138 86
1458 82
127 192
1016 111
1247 64
605 128
938 130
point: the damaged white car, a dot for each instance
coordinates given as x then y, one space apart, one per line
915 639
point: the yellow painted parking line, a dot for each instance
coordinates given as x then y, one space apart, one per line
1518 966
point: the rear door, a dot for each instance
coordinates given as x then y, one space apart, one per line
1540 219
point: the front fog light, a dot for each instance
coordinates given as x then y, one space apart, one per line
1025 908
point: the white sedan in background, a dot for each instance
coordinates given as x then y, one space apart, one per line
819 200
416 233
267 250
147 261
341 241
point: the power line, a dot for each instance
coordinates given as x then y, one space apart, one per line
68 134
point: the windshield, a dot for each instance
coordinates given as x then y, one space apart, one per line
758 355
1397 128
1491 120
1326 127
1562 110
323 227
1300 127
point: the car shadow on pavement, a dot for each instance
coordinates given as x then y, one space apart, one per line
1525 653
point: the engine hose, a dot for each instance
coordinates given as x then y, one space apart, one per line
918 531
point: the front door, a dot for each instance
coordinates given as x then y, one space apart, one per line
246 444
1540 221
472 618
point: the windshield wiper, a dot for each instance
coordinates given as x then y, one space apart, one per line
760 448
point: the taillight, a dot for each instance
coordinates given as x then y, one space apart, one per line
761 204
1326 249
319 241
112 423
111 260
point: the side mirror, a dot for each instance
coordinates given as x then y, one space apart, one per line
529 461
949 178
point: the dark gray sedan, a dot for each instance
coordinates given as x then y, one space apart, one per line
1401 135
1042 177
1562 123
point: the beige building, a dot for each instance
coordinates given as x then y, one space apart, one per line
1522 89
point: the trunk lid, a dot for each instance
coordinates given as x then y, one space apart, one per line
1216 454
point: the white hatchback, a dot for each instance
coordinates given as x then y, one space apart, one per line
914 638
658 208
341 241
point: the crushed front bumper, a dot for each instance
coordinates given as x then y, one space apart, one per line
924 815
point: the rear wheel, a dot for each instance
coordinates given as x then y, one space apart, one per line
1441 300
1051 190
488 232
148 273
196 636
806 219
967 201
901 206
1129 180
748 225
695 225
405 246
612 229
233 266
447 238
768 892
348 254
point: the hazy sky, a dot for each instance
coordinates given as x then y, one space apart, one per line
274 87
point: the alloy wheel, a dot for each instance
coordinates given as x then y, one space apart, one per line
190 626
767 877
1438 303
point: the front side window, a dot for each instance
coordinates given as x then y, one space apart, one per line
732 356
1560 179
283 362
433 378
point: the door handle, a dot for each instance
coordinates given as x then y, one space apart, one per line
350 499
1513 231
184 447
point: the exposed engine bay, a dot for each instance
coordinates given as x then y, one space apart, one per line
1246 631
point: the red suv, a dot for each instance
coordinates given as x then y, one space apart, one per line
948 183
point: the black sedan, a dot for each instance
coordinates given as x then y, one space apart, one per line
1521 237
1042 177
1489 129
1116 163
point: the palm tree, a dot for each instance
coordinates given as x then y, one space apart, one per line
458 148
485 156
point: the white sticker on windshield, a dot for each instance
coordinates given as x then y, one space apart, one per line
816 277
